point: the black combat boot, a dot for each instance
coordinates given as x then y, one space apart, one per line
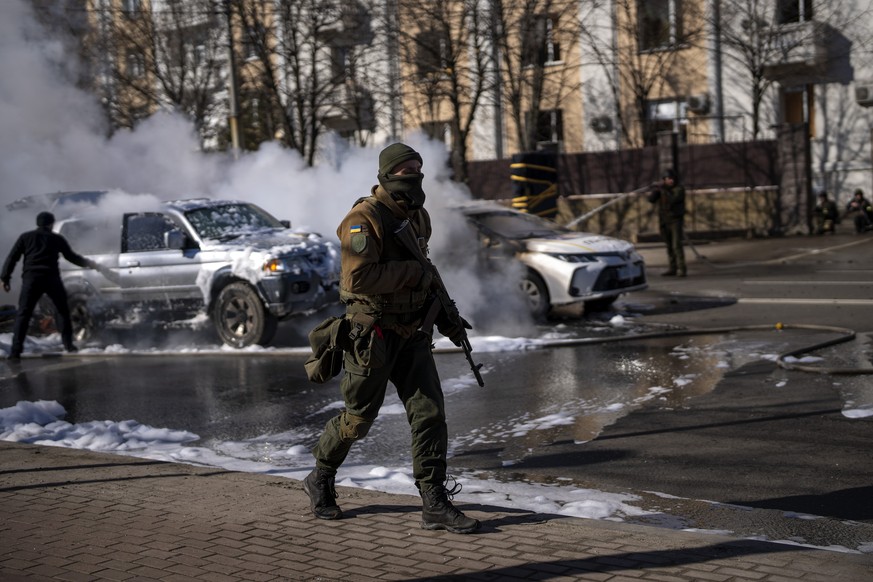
439 513
319 485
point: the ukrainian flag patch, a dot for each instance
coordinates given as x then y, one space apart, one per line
356 228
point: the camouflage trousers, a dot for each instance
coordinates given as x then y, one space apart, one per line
674 237
410 367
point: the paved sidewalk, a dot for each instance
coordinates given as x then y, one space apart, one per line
77 515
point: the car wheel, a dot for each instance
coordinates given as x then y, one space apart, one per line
240 317
597 305
45 318
534 289
82 318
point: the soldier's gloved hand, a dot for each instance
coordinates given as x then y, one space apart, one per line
454 330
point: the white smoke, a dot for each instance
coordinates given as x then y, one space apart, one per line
53 138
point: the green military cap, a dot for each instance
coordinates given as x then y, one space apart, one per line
395 154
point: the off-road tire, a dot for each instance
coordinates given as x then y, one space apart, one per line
240 317
82 317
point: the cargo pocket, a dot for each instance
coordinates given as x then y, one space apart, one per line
367 341
327 340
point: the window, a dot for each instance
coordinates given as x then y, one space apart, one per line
549 129
798 106
134 64
254 35
659 24
793 11
666 115
340 63
131 8
145 232
431 53
539 42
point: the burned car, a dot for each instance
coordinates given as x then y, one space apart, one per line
228 259
563 267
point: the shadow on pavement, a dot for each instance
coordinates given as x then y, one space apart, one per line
633 561
842 504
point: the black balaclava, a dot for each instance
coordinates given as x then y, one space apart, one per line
406 187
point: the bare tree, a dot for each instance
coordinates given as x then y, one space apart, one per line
167 55
643 56
764 43
445 55
537 65
300 67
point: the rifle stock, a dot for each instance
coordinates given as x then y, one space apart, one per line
405 235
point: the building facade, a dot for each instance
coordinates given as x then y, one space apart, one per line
492 78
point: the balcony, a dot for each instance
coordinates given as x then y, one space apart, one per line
800 51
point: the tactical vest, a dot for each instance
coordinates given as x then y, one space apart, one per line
403 306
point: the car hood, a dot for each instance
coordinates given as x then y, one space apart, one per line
275 243
577 243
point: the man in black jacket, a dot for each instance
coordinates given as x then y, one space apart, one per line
40 275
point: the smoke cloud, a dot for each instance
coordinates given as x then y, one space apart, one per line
53 138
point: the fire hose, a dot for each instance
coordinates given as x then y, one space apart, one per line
782 360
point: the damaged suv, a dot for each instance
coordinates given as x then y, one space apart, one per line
231 260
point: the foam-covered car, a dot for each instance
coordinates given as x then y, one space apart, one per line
228 259
563 267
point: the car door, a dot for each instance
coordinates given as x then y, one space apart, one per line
150 271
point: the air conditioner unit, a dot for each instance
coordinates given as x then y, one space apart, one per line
698 103
601 124
864 95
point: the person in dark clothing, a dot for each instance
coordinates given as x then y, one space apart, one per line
40 276
669 196
825 215
862 212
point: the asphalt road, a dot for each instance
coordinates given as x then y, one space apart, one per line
766 443
747 454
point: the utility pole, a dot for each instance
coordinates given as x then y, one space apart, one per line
233 105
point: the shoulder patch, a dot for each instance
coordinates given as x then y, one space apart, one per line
359 242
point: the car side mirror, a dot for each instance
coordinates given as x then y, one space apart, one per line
286 223
175 239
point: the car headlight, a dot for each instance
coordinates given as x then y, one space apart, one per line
283 265
574 257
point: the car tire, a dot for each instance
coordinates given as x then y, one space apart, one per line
240 317
45 317
82 318
534 289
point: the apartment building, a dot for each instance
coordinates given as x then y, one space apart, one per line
491 78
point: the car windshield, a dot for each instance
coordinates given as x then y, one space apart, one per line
230 220
516 226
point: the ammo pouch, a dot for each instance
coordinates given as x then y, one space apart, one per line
328 339
367 342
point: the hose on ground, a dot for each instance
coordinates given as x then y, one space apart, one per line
845 335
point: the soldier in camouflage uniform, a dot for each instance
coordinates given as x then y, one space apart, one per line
669 196
386 291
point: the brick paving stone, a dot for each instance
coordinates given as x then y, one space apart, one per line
148 520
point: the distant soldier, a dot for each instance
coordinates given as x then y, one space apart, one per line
670 199
862 211
40 276
825 215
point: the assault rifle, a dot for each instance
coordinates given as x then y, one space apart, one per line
443 301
